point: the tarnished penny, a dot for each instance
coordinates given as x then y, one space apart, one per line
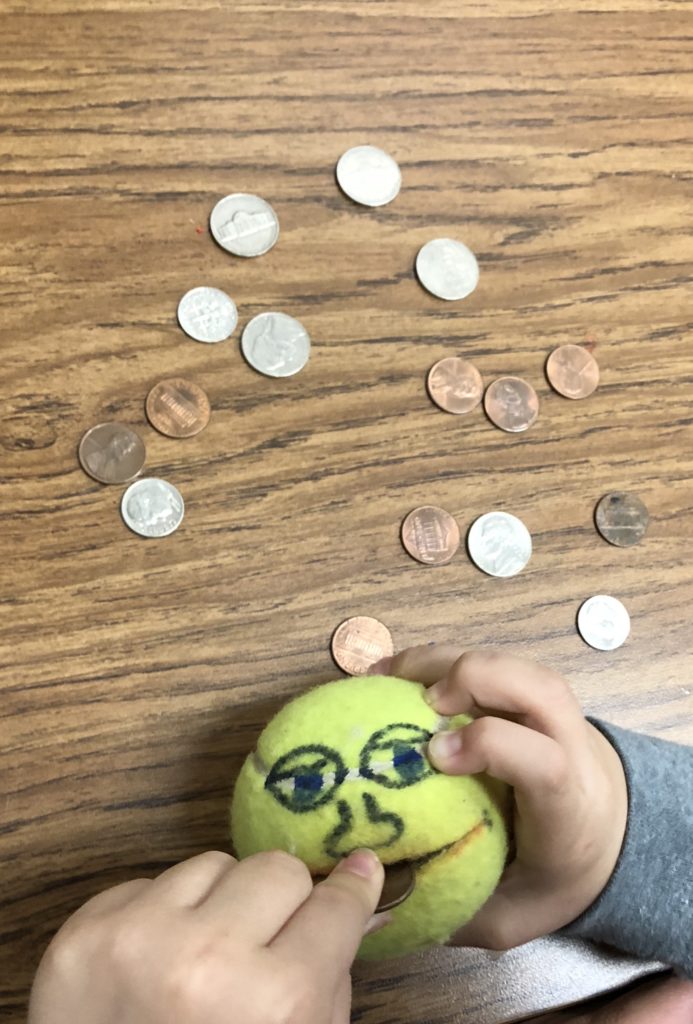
400 879
177 407
572 371
511 404
621 518
358 642
455 385
430 535
112 453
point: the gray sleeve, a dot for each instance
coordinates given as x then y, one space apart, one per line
646 908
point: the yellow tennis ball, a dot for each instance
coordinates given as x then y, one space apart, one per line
343 766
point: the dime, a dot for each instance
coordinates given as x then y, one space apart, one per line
358 642
207 314
369 176
447 269
572 371
177 407
275 344
111 453
499 544
244 225
430 535
603 622
152 507
511 404
621 518
400 879
455 385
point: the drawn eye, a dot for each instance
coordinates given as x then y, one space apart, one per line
306 777
394 756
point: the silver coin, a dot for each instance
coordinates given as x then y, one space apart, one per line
275 344
244 225
499 544
369 175
447 269
152 507
603 622
207 314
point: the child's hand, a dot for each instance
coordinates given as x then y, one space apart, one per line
213 940
570 796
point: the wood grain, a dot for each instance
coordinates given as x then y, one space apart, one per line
555 141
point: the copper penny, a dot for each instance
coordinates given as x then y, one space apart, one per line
400 879
111 453
572 371
177 407
430 535
621 518
455 385
511 404
358 642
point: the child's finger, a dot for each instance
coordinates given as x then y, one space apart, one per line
423 664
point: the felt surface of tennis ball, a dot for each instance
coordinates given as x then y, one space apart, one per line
343 766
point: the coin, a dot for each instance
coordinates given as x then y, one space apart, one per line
400 879
152 507
511 404
111 453
621 518
275 344
603 622
177 407
572 371
369 176
244 225
499 544
455 385
430 535
207 314
447 269
358 642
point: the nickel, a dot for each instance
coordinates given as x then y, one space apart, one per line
358 642
244 225
603 622
621 518
455 385
430 535
499 544
511 404
207 314
275 344
111 453
177 407
152 507
447 268
572 371
369 175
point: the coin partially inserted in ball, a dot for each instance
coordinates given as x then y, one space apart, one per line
358 642
400 879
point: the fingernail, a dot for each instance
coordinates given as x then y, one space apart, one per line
445 744
381 667
360 862
433 694
377 922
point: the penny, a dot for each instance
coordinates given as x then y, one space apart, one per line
511 404
603 622
244 225
430 535
400 879
447 269
358 642
207 314
275 344
572 371
455 385
177 407
111 453
152 507
499 544
621 518
369 175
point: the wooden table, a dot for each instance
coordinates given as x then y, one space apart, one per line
554 141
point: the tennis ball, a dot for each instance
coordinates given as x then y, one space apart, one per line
344 765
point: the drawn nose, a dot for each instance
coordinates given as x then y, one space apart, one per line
370 826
